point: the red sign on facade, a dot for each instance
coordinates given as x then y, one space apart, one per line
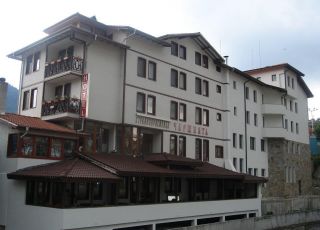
84 95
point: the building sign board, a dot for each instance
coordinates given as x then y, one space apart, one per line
84 95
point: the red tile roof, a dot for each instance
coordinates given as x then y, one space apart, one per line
170 159
125 165
33 123
75 169
274 67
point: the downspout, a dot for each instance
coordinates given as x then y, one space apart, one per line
285 94
123 101
25 133
20 85
245 123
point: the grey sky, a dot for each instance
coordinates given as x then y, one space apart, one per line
253 33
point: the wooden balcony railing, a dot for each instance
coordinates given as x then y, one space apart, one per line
63 65
67 105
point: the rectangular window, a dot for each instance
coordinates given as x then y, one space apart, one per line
291 125
262 145
198 116
152 71
174 78
56 147
247 93
252 143
235 163
285 102
296 107
205 150
234 85
182 81
182 146
58 91
255 116
250 171
263 172
274 77
297 128
205 85
248 117
33 99
288 80
219 117
292 83
240 141
198 86
198 149
291 106
29 64
182 112
42 146
25 104
174 49
27 146
174 110
205 61
173 144
141 107
205 117
183 52
241 166
141 70
234 140
67 90
219 151
151 103
255 172
197 58
218 88
235 111
12 148
254 95
36 61
286 124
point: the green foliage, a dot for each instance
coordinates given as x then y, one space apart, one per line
316 129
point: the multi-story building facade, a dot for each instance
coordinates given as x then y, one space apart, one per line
126 91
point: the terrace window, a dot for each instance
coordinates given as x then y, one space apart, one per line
182 146
173 144
56 146
42 146
12 148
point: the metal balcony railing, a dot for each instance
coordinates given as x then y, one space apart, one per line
67 105
63 65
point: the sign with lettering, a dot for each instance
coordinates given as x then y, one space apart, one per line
84 94
191 129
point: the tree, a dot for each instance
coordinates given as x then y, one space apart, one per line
316 129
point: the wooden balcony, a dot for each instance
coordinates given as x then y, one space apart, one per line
66 64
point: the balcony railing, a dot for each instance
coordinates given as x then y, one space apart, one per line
63 65
67 105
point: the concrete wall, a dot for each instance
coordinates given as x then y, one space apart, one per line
278 206
298 220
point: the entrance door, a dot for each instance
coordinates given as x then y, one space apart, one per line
147 141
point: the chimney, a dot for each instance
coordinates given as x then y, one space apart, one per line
3 94
226 57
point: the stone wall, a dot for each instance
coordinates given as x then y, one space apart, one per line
280 157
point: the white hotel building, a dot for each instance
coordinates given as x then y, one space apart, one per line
128 92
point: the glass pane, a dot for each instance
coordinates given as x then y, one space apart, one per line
173 145
27 146
182 146
182 81
140 102
174 78
56 148
152 71
174 110
151 105
42 145
68 147
182 112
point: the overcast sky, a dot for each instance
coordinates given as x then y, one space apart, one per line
253 33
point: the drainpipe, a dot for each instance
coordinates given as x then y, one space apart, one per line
245 123
123 100
25 133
